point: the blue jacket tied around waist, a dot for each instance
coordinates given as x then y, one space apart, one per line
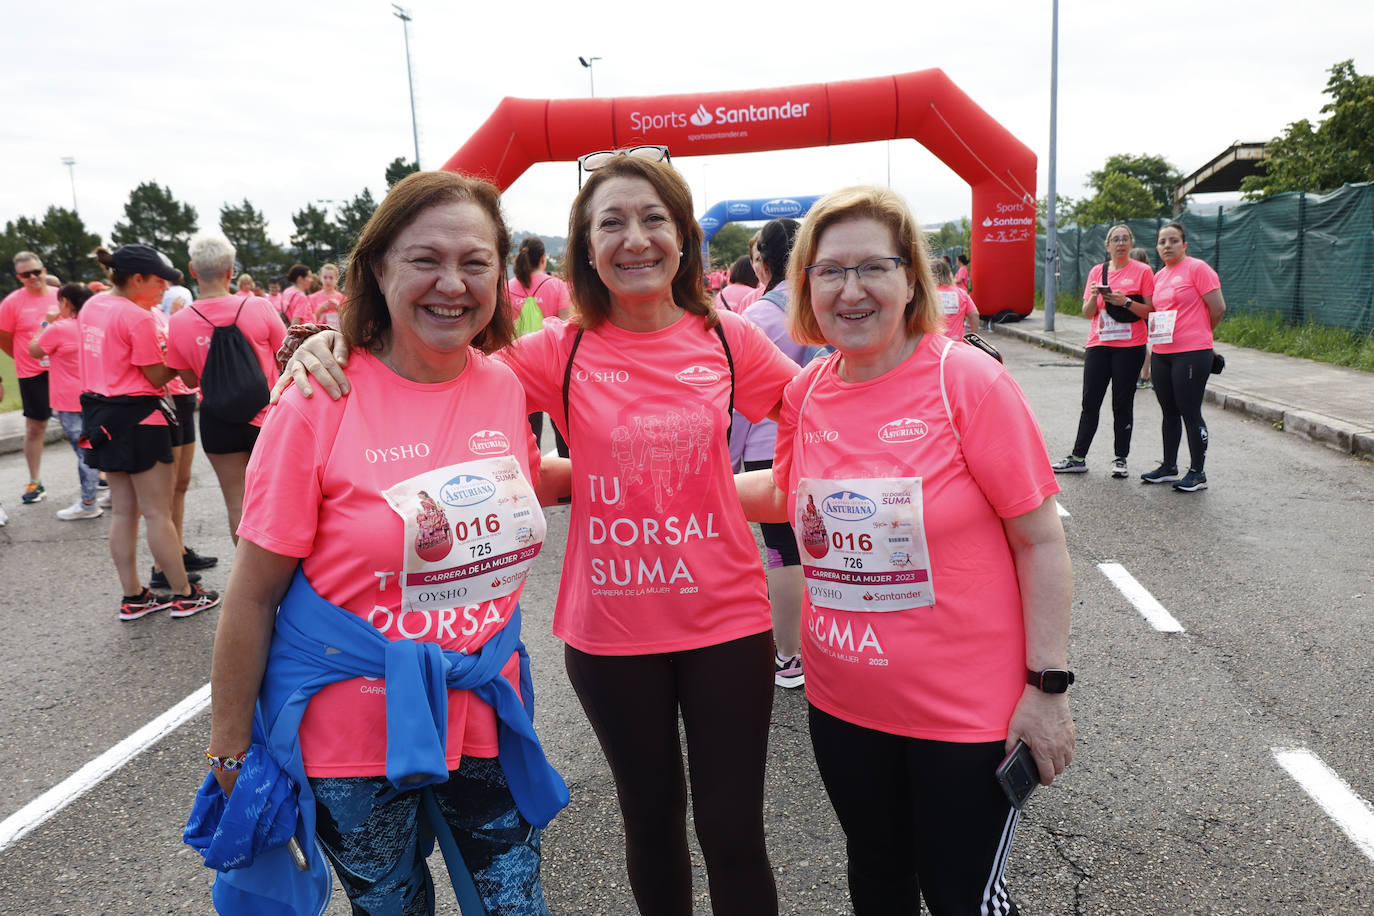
316 643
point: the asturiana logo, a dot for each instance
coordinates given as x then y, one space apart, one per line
701 117
698 375
489 442
738 208
904 430
467 490
783 206
847 505
709 222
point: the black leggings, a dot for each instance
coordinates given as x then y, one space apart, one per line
920 818
725 694
1180 381
1121 367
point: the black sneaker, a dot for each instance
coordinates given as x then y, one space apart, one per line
136 606
193 560
186 605
158 579
1070 465
1162 474
1192 482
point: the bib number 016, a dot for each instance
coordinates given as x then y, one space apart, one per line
477 528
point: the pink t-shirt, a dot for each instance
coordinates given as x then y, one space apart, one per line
117 337
550 292
952 671
296 305
22 314
61 340
961 277
275 299
732 297
176 385
188 342
1180 288
1136 277
659 556
314 490
335 299
955 311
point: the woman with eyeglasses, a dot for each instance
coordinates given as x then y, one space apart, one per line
1188 306
662 603
935 626
1115 303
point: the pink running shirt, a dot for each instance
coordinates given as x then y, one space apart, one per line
296 305
1181 289
22 314
1136 277
954 321
314 490
188 342
118 336
659 556
955 670
550 292
61 340
321 297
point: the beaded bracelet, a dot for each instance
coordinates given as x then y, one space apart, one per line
230 762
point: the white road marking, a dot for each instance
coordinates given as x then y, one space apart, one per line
1340 802
1144 602
1063 513
92 774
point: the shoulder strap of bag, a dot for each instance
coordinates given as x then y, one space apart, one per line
944 392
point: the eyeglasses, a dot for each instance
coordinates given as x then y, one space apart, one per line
1119 238
28 274
872 272
593 161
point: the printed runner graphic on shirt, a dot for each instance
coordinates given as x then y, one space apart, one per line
472 531
867 539
660 453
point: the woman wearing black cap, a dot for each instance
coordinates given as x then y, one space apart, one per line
130 439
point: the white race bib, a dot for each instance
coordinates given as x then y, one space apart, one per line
949 302
1162 326
863 543
472 531
1108 328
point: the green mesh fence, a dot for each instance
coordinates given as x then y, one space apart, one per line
1300 257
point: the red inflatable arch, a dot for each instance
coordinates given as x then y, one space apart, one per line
925 106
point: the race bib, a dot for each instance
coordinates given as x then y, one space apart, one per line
863 544
1108 328
949 302
1162 326
472 531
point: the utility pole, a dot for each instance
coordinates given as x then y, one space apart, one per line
70 163
404 15
591 73
1051 229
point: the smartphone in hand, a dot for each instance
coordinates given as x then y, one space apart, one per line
1018 775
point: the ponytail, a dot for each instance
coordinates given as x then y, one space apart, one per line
528 258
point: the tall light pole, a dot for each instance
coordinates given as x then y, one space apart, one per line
70 163
1051 229
404 15
591 73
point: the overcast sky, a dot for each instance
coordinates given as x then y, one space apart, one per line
298 101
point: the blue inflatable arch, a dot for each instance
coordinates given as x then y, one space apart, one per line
744 211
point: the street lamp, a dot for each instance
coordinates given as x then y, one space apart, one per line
70 163
404 15
591 73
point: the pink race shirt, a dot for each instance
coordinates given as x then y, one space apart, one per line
314 490
117 337
1180 288
956 311
335 299
188 341
22 314
961 277
952 671
550 292
659 556
61 340
176 385
1136 277
296 305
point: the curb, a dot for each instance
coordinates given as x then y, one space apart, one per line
1314 427
14 441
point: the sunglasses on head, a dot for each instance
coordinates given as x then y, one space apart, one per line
29 274
593 161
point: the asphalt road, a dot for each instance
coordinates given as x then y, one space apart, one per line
1175 802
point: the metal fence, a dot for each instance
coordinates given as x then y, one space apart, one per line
1300 257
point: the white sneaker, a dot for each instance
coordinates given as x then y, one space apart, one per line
79 509
4 516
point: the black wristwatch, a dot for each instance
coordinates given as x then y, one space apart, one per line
1050 680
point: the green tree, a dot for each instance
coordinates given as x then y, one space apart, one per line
154 217
399 168
952 235
1338 150
1154 173
316 239
1119 196
730 243
1063 206
245 226
353 216
72 246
